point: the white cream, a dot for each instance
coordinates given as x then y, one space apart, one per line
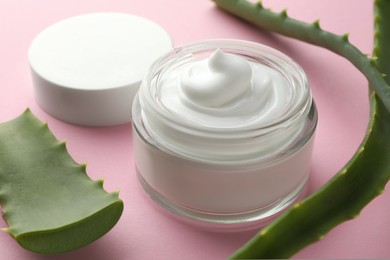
223 93
218 81
223 132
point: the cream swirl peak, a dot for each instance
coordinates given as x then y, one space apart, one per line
225 91
220 80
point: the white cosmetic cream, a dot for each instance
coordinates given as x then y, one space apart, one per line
223 133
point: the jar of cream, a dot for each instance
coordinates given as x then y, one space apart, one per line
223 133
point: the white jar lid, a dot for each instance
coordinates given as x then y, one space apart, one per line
87 69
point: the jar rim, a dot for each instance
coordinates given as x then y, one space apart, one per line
297 110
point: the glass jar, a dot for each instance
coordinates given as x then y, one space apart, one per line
232 178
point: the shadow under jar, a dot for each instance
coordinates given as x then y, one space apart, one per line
223 133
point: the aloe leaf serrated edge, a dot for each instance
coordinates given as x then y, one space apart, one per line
365 176
49 202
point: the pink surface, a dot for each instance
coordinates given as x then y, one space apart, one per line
339 89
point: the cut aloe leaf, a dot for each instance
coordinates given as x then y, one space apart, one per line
49 202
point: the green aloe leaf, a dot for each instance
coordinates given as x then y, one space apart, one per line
49 202
364 177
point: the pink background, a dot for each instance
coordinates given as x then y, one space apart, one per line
143 233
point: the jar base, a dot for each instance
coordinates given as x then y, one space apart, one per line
222 222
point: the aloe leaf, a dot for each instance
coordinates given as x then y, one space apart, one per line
364 177
49 202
